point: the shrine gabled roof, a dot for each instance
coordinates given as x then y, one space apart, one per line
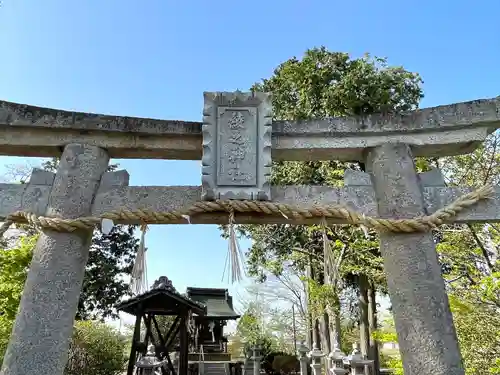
218 302
162 299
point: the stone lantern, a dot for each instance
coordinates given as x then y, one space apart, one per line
337 359
357 362
149 364
256 359
302 352
316 356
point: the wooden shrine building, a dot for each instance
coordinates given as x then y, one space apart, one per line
209 332
162 300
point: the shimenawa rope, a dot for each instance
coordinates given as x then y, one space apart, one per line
418 224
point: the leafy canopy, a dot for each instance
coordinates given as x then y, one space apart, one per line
96 349
324 84
14 265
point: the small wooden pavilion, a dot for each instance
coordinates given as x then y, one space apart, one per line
164 300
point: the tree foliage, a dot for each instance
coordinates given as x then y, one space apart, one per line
470 262
252 331
323 84
478 329
96 349
268 319
111 260
14 265
387 334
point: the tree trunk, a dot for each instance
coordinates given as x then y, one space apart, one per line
364 330
317 334
373 352
325 319
310 323
335 324
325 333
317 323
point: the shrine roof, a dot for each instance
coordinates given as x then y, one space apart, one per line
218 302
162 299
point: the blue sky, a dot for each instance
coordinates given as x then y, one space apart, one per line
154 58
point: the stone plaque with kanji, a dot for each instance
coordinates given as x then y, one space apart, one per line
236 159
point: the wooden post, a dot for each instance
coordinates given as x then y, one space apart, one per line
310 321
183 338
294 330
364 333
372 320
133 349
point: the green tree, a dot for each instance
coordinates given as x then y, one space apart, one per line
469 256
387 334
250 327
14 265
319 85
111 260
478 329
96 349
235 347
252 331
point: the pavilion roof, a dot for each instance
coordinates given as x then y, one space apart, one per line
162 299
218 302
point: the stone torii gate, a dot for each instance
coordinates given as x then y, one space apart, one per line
235 143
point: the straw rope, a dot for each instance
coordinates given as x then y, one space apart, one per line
418 224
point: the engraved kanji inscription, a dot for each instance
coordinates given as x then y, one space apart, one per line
236 146
237 130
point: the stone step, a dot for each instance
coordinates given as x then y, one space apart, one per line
214 369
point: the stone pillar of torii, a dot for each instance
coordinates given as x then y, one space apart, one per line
236 142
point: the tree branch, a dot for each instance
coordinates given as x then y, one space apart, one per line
484 251
454 279
305 252
492 159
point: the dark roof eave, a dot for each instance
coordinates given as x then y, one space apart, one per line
194 306
221 317
194 291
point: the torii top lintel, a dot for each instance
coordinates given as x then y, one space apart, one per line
444 130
